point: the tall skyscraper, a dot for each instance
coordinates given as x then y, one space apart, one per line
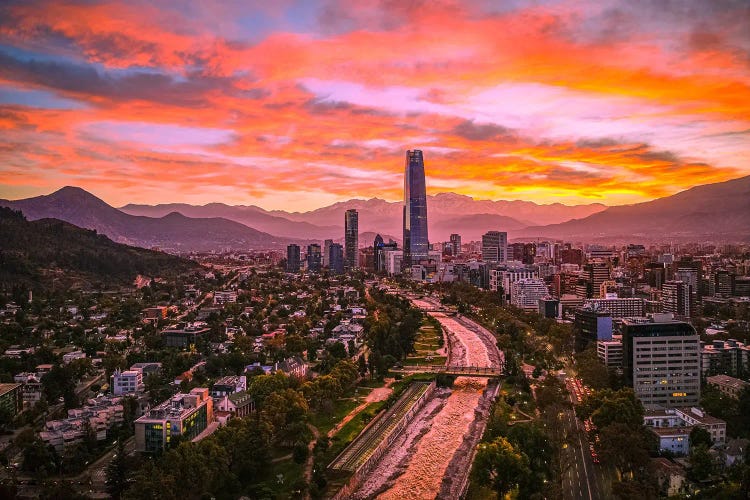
416 243
494 246
455 244
313 258
351 239
336 258
377 250
292 258
326 252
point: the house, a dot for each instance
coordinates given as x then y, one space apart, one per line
670 476
229 385
68 357
294 367
239 404
735 451
730 386
672 427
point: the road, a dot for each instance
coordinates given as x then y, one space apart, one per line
583 479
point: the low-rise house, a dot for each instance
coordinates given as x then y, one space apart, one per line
101 414
730 386
672 427
735 451
294 367
184 337
670 476
70 356
229 385
240 404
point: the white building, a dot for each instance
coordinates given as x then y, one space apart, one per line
526 293
495 246
126 382
70 356
673 427
610 351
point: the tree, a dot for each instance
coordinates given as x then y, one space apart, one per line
294 344
623 448
117 472
700 437
701 463
498 465
362 365
592 371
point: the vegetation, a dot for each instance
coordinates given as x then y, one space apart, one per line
50 250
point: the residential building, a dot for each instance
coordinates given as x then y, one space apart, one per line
351 239
325 258
596 273
416 241
619 307
155 313
100 414
126 382
222 297
495 246
240 404
185 415
676 299
673 426
455 244
292 258
526 293
70 356
727 357
661 361
610 352
31 387
730 386
229 385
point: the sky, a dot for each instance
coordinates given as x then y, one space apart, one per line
298 104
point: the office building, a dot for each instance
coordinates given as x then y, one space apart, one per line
591 325
495 246
721 283
661 361
336 258
416 242
455 244
351 239
326 253
184 415
549 307
183 338
526 293
313 258
292 258
596 273
619 307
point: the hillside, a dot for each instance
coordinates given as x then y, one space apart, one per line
173 231
712 212
52 250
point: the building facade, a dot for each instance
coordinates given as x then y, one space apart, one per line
495 246
416 242
292 258
661 361
351 239
184 415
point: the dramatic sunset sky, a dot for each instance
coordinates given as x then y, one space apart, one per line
297 104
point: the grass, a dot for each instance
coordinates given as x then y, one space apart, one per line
291 472
326 421
422 360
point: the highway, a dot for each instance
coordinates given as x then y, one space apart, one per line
583 479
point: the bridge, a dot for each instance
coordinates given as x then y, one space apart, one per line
458 370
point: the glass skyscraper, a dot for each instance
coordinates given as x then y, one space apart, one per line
351 239
416 245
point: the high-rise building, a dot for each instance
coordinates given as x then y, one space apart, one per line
676 298
313 258
455 244
326 251
597 272
661 361
591 325
416 243
494 246
292 258
336 258
351 239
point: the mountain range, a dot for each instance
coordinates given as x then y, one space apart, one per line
173 231
715 212
711 212
446 213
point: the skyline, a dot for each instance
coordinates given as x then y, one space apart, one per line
299 105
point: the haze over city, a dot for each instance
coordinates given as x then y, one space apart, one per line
295 105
